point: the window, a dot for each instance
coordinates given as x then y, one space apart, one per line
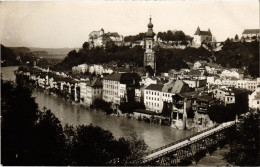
257 102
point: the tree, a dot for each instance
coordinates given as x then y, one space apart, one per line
129 107
221 113
236 38
31 137
92 146
19 113
49 141
137 149
85 46
244 149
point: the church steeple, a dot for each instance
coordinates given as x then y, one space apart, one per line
150 32
149 56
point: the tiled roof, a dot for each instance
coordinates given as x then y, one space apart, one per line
168 87
157 87
205 98
122 77
199 32
115 34
96 83
177 88
251 31
188 94
205 33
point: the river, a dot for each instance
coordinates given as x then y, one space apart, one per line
154 135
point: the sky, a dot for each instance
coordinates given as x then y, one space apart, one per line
61 24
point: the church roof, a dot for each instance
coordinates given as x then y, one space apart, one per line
199 32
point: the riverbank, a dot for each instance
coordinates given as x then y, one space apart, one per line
154 135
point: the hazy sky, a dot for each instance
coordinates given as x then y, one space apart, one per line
68 24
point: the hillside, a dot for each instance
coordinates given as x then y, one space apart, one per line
240 55
53 50
8 57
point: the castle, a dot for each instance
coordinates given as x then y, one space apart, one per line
100 38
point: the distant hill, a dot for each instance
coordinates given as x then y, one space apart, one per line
54 50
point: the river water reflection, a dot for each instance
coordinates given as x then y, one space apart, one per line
154 135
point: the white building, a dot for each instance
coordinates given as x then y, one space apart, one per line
116 85
254 99
230 74
80 68
99 38
202 36
251 34
89 93
156 94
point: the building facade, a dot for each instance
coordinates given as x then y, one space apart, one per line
251 35
117 86
202 36
254 99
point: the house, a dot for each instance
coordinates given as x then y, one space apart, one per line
153 97
201 36
181 104
254 99
119 87
89 93
230 74
199 64
195 83
251 35
80 68
228 95
148 80
156 94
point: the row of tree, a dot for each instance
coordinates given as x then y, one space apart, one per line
33 137
240 54
174 36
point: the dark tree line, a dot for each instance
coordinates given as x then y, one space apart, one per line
33 137
166 58
240 54
244 141
174 36
133 38
220 113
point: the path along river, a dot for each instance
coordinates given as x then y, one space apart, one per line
154 135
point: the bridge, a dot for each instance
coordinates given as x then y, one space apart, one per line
190 148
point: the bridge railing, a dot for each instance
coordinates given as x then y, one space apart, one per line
169 151
178 141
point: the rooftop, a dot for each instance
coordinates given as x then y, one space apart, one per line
251 31
157 87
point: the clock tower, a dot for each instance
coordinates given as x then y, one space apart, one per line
149 56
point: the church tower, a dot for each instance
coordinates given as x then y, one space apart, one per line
149 56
